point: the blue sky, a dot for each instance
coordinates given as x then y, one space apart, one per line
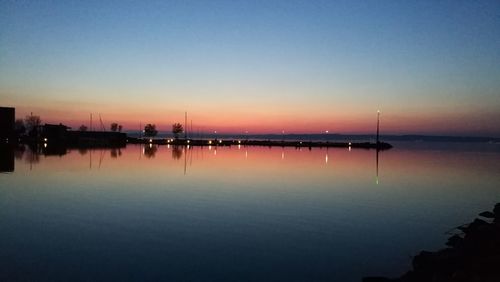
298 65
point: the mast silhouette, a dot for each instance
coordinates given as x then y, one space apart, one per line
185 124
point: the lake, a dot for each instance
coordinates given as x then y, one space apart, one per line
159 213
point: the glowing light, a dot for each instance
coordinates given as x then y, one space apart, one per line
150 140
168 140
150 145
350 144
210 148
239 141
45 145
326 131
220 141
239 147
188 146
45 139
189 141
209 141
168 146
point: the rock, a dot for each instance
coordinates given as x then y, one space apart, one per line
424 260
454 241
475 226
376 279
487 214
496 211
471 256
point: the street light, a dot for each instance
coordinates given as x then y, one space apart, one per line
378 126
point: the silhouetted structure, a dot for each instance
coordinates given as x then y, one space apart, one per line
6 158
96 138
7 120
62 135
54 132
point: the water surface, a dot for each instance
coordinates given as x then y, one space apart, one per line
148 213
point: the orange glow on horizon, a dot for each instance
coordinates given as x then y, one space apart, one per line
253 121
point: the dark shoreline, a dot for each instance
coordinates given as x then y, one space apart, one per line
473 254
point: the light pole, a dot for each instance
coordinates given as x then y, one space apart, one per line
378 126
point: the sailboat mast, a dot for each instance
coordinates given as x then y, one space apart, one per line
185 124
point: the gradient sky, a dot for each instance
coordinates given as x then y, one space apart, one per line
431 67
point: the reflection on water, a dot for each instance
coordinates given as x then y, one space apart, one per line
149 151
151 213
177 152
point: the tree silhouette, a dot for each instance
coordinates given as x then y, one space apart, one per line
114 127
177 129
82 128
32 123
19 127
120 127
150 130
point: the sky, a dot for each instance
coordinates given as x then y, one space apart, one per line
430 67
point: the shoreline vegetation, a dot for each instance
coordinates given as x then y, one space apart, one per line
473 254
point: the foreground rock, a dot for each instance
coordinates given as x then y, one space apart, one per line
473 255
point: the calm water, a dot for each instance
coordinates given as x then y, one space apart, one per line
236 214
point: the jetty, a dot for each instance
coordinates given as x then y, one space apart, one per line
264 143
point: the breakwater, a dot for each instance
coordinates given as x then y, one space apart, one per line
267 143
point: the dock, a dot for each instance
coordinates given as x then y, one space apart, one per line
264 143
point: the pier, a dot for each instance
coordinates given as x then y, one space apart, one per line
266 143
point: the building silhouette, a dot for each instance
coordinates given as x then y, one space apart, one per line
7 120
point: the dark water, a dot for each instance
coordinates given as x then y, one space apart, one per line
235 214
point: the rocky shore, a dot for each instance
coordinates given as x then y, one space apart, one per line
473 254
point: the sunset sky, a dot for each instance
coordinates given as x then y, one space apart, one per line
431 67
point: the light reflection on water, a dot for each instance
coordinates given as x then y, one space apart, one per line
234 213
